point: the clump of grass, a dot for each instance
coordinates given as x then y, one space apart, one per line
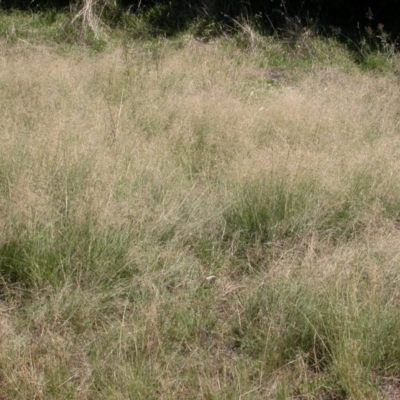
270 209
323 334
90 16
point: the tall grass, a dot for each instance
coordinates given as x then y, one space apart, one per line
191 220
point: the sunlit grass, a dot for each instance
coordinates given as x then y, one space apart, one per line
189 220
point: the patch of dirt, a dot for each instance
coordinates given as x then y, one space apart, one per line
390 389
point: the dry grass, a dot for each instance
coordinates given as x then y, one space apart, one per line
129 177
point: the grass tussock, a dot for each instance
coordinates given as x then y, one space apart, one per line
190 220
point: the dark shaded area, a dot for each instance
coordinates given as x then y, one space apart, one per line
170 16
275 15
35 5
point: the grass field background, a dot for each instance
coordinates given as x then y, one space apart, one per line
198 220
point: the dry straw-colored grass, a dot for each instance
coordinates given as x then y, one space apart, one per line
119 172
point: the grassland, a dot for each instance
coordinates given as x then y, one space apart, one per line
183 219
